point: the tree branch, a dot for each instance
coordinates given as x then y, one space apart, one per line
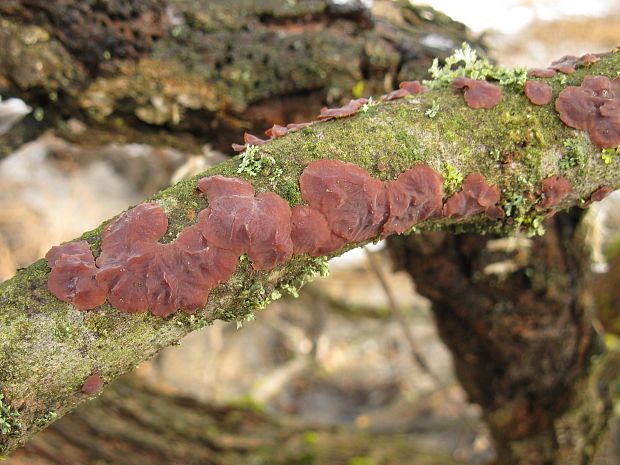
48 348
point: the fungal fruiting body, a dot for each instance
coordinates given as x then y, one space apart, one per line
479 94
476 196
92 384
555 188
538 92
405 88
594 106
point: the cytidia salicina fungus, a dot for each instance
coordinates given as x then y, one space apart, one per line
555 189
538 92
479 94
594 107
92 384
405 88
475 196
136 273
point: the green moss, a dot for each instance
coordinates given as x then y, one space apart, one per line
452 179
433 110
609 155
574 156
9 418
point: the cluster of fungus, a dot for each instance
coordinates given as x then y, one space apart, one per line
343 204
594 106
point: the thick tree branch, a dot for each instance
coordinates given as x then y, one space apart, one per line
48 348
187 72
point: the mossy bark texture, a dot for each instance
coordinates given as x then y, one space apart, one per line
523 340
189 72
48 348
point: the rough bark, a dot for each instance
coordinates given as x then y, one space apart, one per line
48 348
517 315
131 424
186 72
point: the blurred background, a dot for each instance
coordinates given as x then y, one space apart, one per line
351 371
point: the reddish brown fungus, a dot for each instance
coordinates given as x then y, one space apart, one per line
297 126
555 189
405 88
92 384
72 278
598 195
565 65
541 72
568 64
353 203
276 131
479 94
416 195
251 139
594 107
476 196
538 92
349 109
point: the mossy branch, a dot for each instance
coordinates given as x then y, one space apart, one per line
48 348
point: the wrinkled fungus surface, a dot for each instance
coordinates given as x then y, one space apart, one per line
476 196
555 188
479 94
538 92
594 107
136 272
72 278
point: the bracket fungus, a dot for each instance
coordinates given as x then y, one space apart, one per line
538 92
555 188
478 94
476 196
594 106
405 88
93 384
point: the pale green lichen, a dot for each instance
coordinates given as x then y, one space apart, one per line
9 418
574 157
464 62
368 105
253 164
46 419
432 111
452 178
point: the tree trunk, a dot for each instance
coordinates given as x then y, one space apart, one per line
517 316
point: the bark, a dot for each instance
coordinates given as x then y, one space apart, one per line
517 315
48 348
131 424
186 72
